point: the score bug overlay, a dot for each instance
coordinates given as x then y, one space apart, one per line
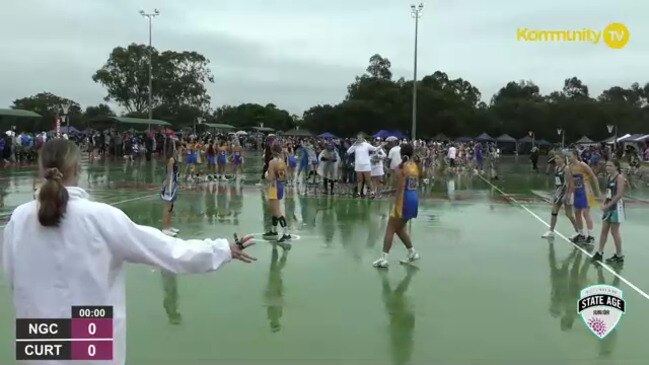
86 335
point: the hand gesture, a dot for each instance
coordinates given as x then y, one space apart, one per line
236 249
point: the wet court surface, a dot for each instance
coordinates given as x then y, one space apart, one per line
488 289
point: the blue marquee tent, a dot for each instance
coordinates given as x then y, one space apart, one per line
383 134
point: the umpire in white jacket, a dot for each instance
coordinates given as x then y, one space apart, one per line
63 249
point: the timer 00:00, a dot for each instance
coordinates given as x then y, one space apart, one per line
92 313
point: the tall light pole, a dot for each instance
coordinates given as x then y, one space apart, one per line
150 17
416 12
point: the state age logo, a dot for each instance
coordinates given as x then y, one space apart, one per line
601 307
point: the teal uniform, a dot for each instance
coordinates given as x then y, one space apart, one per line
616 213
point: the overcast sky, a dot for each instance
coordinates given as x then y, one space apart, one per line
297 54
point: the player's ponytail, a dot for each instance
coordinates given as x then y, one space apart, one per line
406 153
618 166
59 159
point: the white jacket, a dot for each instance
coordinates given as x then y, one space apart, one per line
361 153
82 261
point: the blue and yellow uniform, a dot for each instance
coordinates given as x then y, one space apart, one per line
407 202
222 158
191 154
276 189
583 197
237 157
616 213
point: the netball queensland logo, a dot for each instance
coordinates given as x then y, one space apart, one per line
601 307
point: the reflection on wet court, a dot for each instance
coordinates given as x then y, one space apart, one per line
488 289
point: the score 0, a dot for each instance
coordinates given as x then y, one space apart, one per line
92 333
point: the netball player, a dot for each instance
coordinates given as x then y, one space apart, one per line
169 194
405 208
582 197
190 159
276 178
237 157
169 191
210 152
614 213
221 160
564 187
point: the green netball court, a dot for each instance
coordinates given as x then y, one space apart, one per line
488 289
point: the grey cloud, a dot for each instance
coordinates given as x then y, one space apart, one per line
298 54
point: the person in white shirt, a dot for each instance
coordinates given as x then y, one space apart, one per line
376 159
452 154
362 164
394 161
63 249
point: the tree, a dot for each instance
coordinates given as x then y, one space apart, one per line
252 115
178 78
49 106
573 88
101 110
379 68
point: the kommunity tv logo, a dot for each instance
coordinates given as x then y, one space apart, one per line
615 35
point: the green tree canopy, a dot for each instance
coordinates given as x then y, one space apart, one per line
49 106
178 78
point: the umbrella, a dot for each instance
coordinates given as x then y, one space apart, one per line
326 135
241 133
385 133
392 138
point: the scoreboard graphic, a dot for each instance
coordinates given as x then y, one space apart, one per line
87 335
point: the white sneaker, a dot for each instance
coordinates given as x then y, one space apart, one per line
410 258
169 232
548 234
174 230
381 263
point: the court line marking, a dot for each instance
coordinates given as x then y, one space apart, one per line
609 269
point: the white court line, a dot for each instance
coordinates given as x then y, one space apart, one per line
132 199
566 239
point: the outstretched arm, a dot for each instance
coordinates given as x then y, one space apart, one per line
146 245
